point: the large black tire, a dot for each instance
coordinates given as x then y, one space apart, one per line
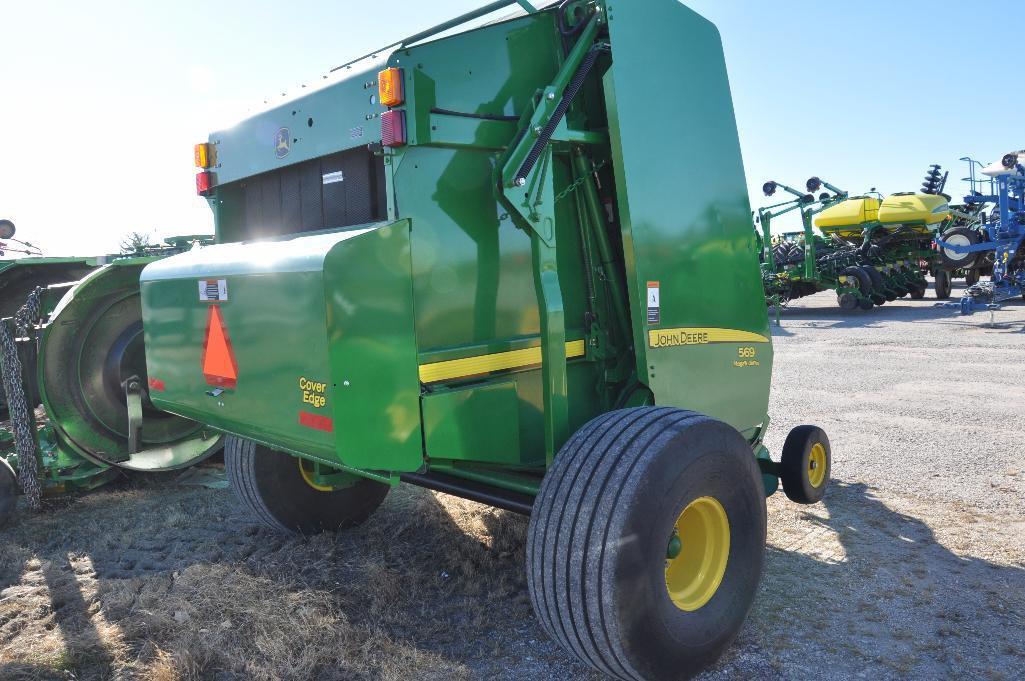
942 287
271 485
604 525
864 285
8 493
961 236
806 464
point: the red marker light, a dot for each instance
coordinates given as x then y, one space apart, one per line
393 128
204 183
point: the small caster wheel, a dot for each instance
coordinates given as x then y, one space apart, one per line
865 304
806 463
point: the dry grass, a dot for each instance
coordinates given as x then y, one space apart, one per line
218 596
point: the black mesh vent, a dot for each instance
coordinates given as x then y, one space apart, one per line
339 190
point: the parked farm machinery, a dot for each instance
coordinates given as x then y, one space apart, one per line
72 342
454 266
990 243
865 262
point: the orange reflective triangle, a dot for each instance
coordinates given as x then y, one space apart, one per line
219 365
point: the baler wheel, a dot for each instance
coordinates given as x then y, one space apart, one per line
806 464
942 284
646 543
276 491
8 492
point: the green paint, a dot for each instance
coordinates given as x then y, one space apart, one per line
472 263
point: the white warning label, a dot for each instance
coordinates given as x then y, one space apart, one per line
654 303
213 290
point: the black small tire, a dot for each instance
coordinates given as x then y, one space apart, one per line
847 301
917 293
943 286
602 527
971 277
8 493
271 485
806 464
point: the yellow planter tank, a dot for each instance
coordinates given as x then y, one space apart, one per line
914 210
847 218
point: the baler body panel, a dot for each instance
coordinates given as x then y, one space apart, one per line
685 215
338 113
435 320
305 348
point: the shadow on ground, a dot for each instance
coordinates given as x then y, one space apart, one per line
159 581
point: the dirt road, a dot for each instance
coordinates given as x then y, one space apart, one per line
913 567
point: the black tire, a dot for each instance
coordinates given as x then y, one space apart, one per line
961 236
918 293
878 292
861 277
942 287
602 524
971 278
271 486
806 464
847 301
8 493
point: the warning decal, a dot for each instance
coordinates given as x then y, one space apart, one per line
219 365
654 303
213 290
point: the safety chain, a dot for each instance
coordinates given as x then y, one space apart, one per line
577 182
17 402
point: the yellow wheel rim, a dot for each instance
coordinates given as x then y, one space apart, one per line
697 554
308 477
817 465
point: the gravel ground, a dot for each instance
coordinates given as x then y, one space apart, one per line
912 567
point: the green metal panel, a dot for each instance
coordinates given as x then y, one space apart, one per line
685 213
337 112
321 329
473 423
274 316
373 351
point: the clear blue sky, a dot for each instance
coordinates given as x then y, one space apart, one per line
102 101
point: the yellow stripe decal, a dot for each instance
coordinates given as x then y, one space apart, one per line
486 364
668 338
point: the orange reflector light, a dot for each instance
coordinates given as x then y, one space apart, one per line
393 128
204 154
204 183
389 86
219 365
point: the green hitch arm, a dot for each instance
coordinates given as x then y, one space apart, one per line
809 244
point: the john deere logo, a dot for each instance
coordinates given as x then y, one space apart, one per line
282 143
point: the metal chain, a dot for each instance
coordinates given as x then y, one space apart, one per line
579 181
17 402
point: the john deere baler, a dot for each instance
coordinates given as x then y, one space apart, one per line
477 264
